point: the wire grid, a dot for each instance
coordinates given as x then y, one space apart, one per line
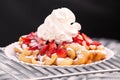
108 70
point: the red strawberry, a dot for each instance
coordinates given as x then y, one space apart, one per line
43 49
41 41
63 43
33 47
95 43
87 39
61 53
32 35
78 39
51 48
26 40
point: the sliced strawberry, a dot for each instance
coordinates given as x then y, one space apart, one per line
52 45
33 47
78 32
43 49
26 40
51 48
41 41
64 43
78 39
86 38
61 53
32 35
95 43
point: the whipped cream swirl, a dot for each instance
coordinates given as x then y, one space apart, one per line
60 26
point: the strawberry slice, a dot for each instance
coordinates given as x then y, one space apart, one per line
32 35
41 41
95 43
43 49
64 43
87 39
25 40
61 53
51 48
78 39
33 47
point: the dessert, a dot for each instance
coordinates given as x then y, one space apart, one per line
58 41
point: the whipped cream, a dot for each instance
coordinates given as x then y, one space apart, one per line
60 26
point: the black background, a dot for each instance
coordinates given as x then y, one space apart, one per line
99 18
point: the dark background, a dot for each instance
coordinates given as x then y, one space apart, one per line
99 18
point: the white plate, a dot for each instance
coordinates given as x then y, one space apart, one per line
9 51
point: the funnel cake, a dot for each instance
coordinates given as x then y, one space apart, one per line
58 41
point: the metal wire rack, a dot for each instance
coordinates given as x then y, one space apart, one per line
108 70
